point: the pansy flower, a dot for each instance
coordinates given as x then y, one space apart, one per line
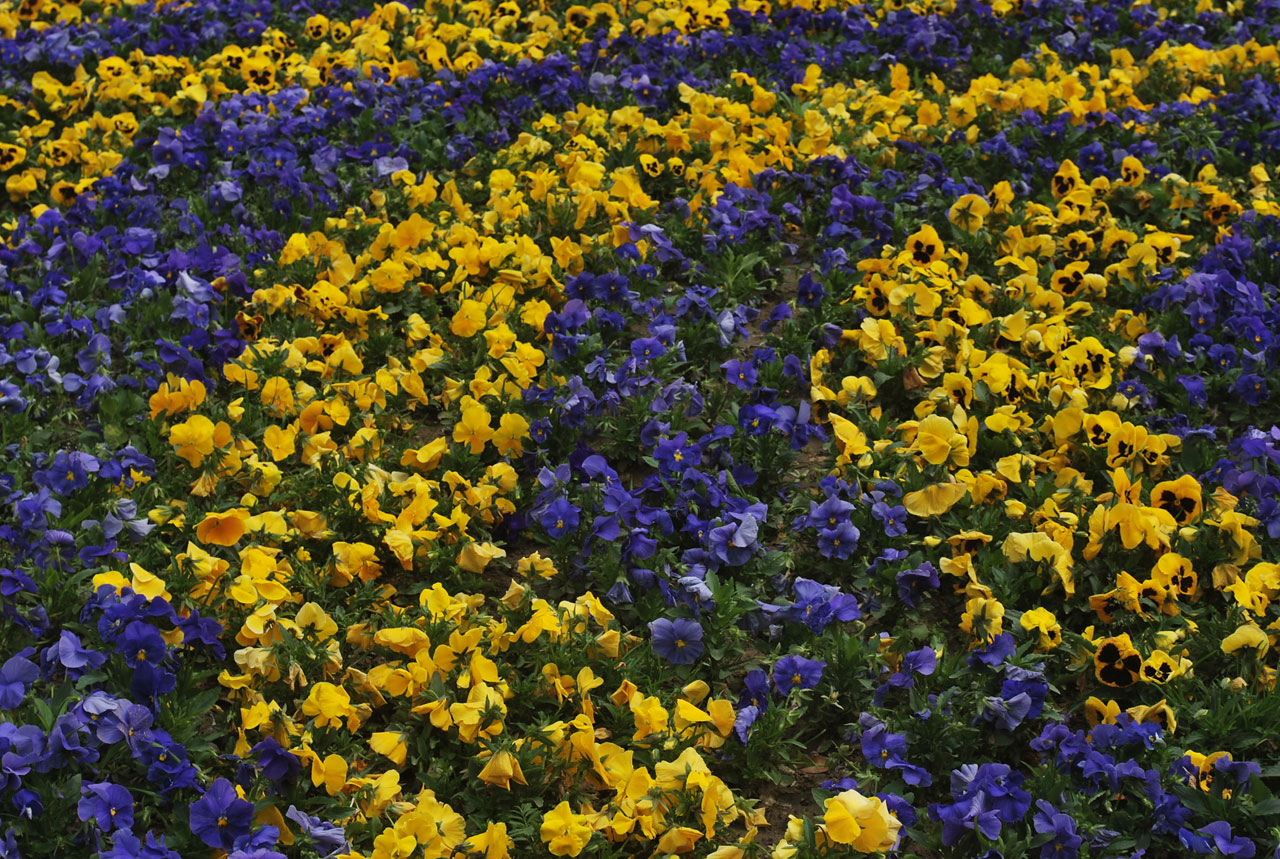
16 676
108 805
741 374
1065 841
1116 662
560 517
220 817
677 641
797 672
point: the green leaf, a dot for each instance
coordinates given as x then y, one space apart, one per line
205 701
46 714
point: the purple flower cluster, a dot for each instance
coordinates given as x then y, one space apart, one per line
986 797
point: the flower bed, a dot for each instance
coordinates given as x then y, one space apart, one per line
761 429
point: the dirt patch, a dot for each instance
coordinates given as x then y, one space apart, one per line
782 802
